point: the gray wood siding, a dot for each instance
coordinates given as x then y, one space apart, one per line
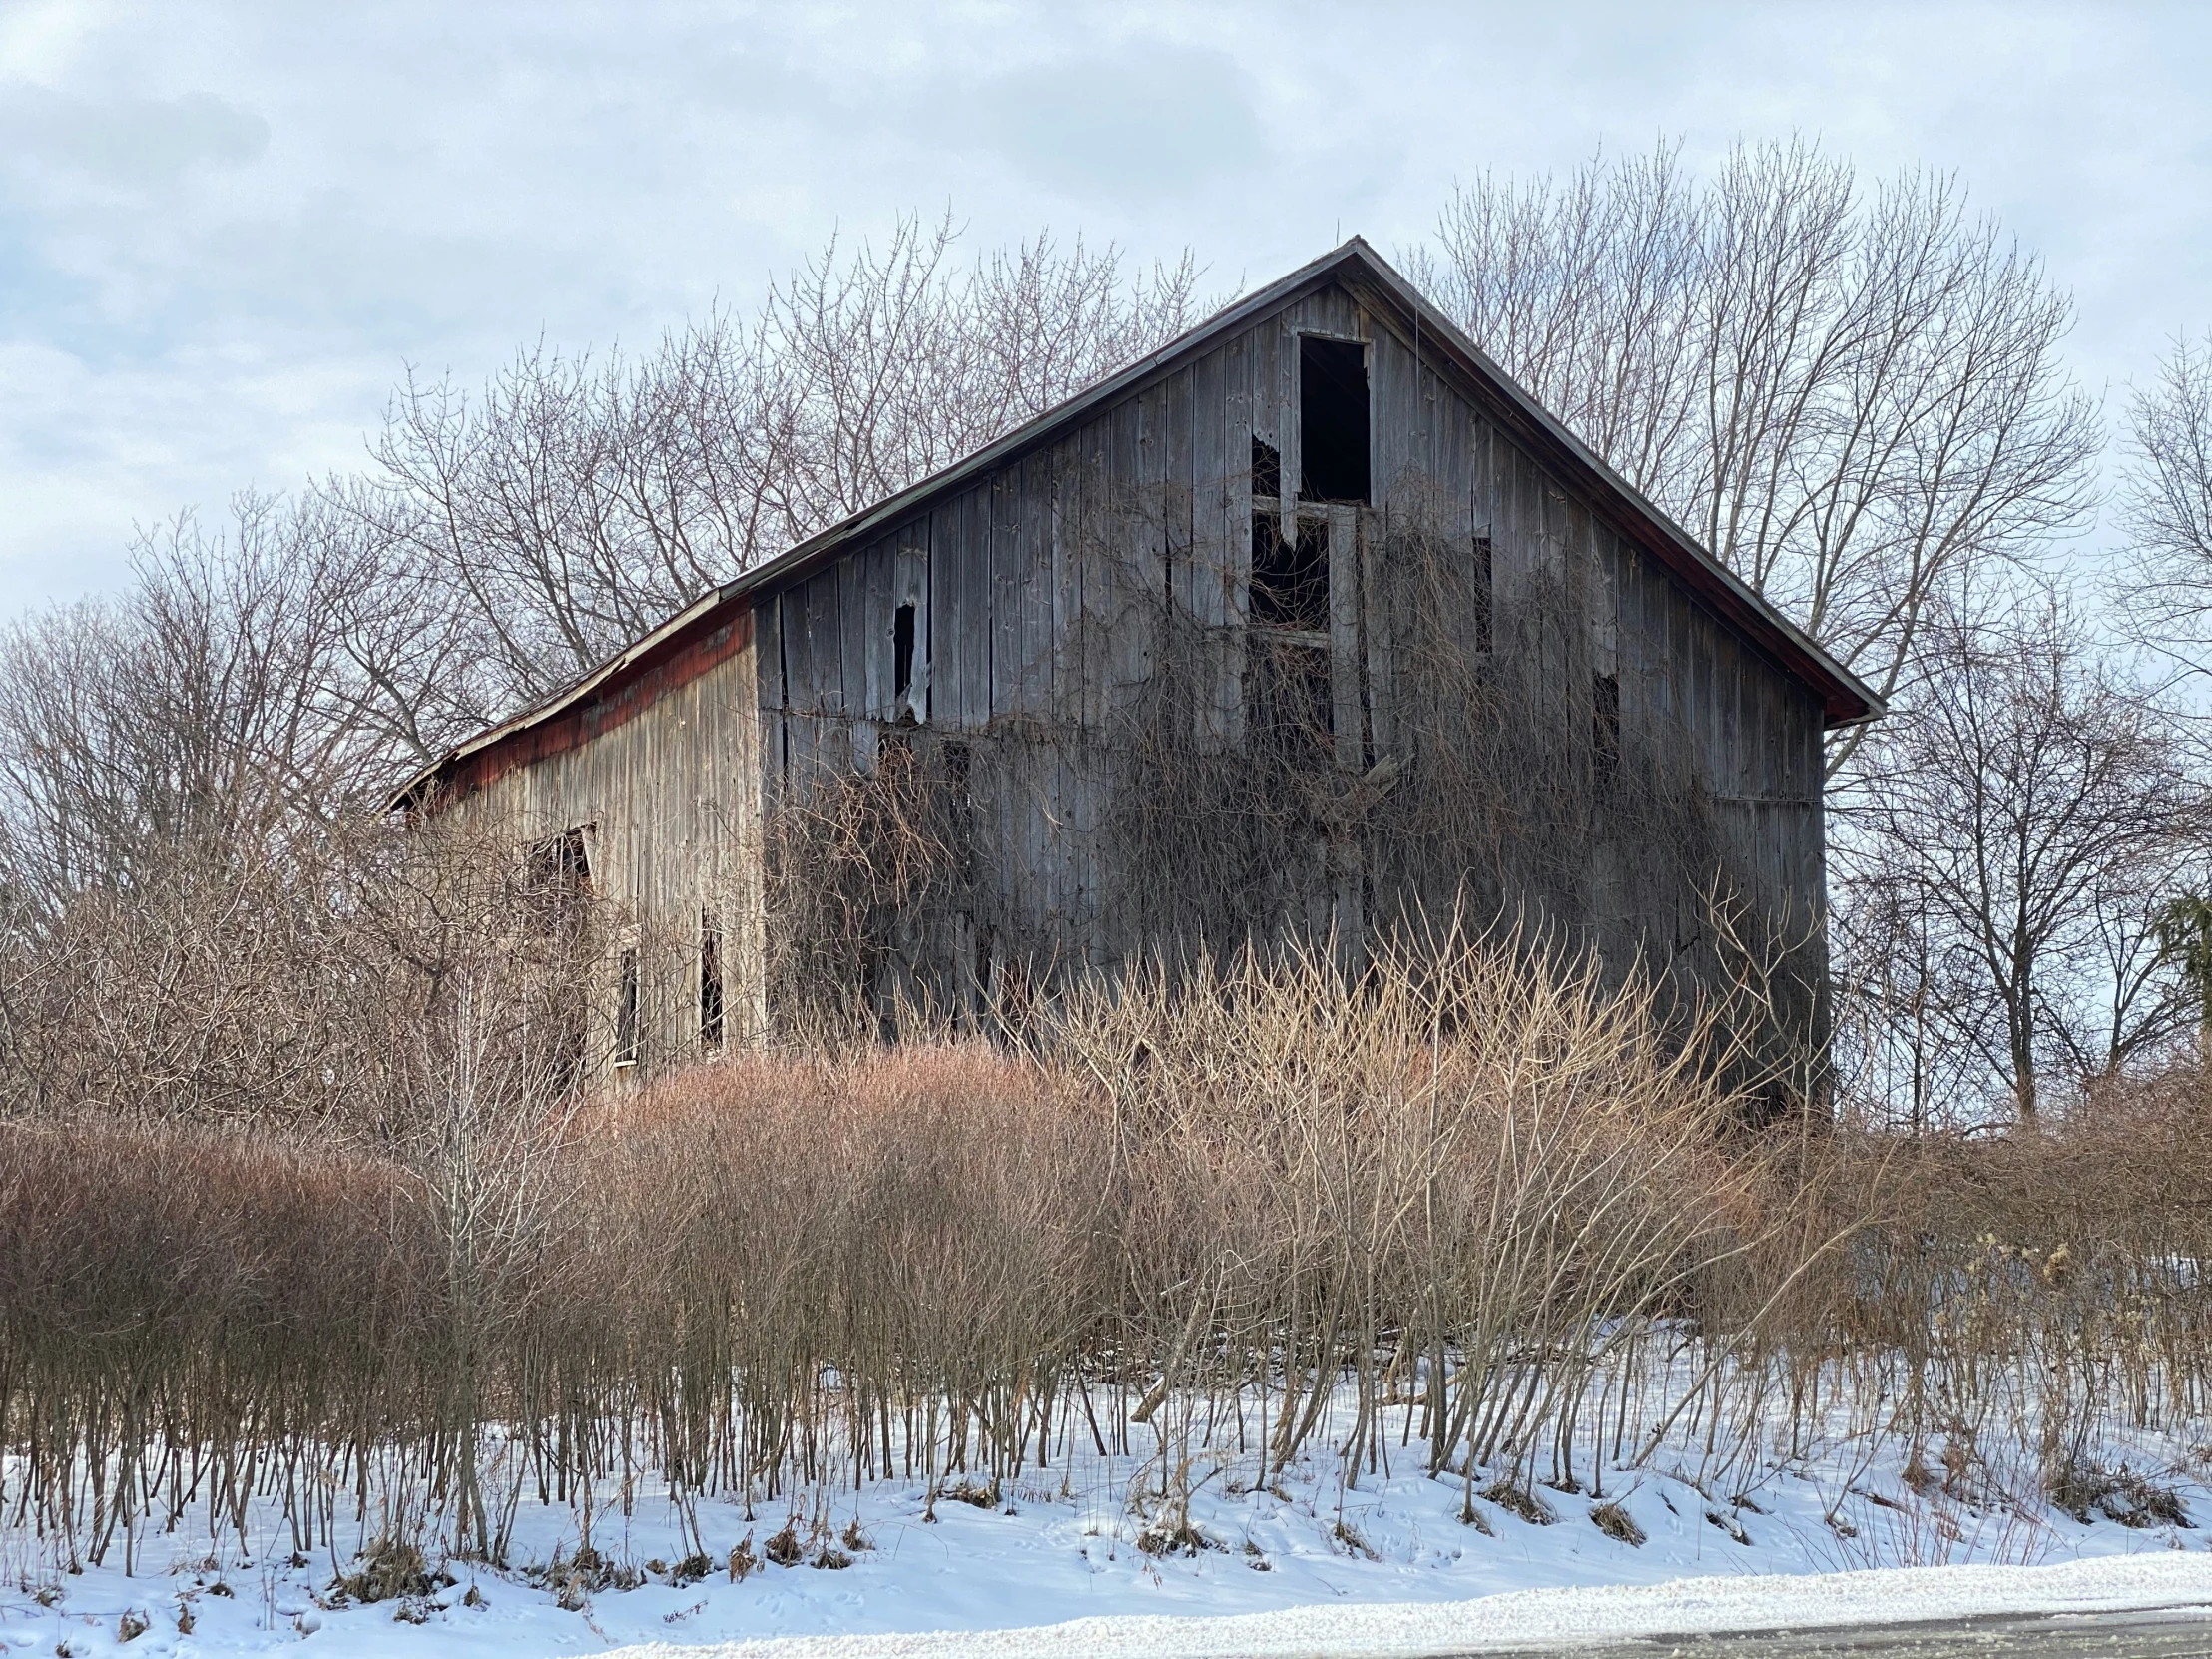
1052 595
669 802
1051 585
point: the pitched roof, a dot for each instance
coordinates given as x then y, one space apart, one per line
1357 267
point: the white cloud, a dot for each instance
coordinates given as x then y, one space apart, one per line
129 142
225 227
1128 123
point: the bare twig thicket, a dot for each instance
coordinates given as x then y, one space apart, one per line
2034 814
1479 1211
2166 505
525 535
792 1271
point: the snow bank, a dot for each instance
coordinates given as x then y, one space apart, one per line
1306 1562
1530 1618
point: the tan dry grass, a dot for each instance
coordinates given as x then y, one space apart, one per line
1480 1194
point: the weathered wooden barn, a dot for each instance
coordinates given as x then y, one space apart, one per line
1311 622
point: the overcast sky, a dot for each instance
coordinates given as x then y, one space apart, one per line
224 228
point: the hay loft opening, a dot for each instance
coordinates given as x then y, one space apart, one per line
1333 419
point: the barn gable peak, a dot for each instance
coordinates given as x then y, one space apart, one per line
1389 301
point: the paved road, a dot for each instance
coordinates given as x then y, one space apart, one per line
2176 1633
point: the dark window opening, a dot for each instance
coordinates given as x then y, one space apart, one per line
902 650
1485 602
1267 472
710 981
556 880
1333 419
1289 580
1293 699
1605 728
626 1011
558 863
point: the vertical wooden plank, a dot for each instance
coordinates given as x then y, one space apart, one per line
960 644
1681 694
1263 383
825 641
1377 622
1213 537
1288 414
1137 527
981 631
769 697
1397 438
854 628
946 645
1175 478
1346 721
1038 594
1095 586
877 635
1046 771
1009 647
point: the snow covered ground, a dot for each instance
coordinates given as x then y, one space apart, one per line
1549 1618
1305 1565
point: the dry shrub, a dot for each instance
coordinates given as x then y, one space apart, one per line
1617 1523
1465 1178
1479 1198
2012 1300
159 1284
924 1222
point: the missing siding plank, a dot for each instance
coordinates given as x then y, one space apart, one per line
558 863
625 1010
902 650
1606 725
556 881
1289 579
1482 576
1291 697
710 981
1267 472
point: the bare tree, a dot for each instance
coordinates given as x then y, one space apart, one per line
185 710
2166 506
2028 818
575 502
1853 398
